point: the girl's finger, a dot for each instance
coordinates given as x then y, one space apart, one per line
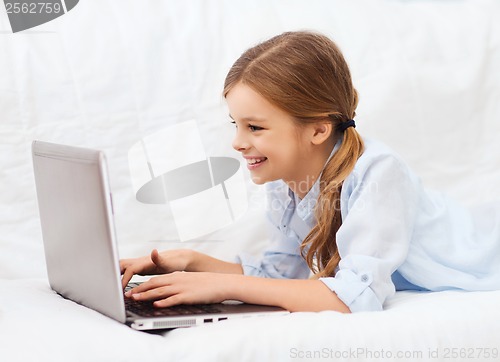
153 294
153 283
127 275
168 302
123 265
156 258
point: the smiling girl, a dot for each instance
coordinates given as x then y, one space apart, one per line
345 208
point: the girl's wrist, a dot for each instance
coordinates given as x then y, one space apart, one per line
192 260
229 286
199 262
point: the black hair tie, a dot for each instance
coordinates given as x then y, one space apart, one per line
345 125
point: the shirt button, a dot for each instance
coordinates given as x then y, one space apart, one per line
364 278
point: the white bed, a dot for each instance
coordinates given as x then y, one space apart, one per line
112 72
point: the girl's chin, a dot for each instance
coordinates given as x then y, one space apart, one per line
259 180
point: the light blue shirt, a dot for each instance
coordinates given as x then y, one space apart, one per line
395 235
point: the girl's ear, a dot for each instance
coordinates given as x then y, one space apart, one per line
321 132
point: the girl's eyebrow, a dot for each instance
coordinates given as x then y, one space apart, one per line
250 119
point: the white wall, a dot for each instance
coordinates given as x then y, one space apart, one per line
113 71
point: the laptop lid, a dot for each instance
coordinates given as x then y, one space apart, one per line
75 208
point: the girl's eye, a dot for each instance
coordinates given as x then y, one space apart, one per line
254 128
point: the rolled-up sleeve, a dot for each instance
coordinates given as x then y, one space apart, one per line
378 203
354 290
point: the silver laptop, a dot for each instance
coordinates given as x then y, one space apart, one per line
76 214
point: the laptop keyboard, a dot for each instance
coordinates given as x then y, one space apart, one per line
147 309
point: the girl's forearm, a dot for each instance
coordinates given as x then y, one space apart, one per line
204 263
291 294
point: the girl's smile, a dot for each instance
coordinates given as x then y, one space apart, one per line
254 162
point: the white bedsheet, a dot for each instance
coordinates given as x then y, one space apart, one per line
38 325
111 72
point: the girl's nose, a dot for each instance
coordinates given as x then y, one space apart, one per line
239 143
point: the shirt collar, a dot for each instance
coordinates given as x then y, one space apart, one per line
306 205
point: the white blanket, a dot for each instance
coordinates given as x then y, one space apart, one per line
38 325
111 72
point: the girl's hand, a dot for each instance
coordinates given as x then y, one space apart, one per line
156 263
295 295
183 288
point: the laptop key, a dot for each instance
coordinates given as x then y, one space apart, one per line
147 309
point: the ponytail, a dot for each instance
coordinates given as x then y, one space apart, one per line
319 248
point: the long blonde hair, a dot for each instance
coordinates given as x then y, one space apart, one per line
306 75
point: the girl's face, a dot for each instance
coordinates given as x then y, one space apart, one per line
270 140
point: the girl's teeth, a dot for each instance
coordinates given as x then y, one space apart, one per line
253 161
